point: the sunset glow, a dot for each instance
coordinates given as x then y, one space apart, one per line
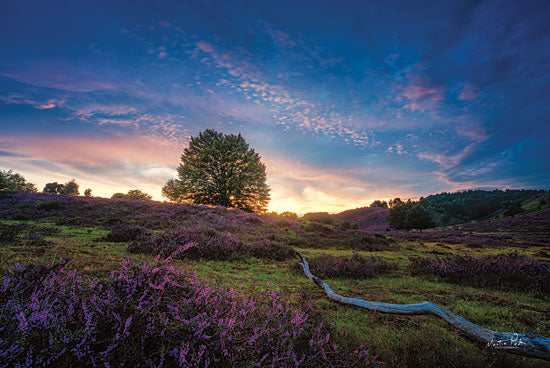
345 102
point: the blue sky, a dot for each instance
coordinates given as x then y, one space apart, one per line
345 101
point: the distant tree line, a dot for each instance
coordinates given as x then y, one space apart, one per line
134 194
14 182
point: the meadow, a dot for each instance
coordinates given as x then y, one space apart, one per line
150 283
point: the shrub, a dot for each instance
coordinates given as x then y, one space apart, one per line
122 232
271 250
153 315
505 271
9 233
48 205
208 243
356 266
321 217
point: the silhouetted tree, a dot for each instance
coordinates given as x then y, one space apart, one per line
53 188
395 202
288 214
379 203
218 169
88 192
70 188
134 194
13 182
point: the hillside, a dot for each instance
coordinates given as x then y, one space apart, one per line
366 218
476 204
206 285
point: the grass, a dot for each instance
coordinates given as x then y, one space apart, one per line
418 341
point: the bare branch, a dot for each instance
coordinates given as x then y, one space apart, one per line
528 345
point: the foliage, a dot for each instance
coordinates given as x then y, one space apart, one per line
25 235
288 214
70 188
123 232
88 193
173 191
347 225
208 243
354 267
48 205
538 203
379 203
218 169
476 204
504 271
512 208
321 217
153 315
134 194
54 188
395 202
409 215
14 182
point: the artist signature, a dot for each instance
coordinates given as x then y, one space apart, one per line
513 342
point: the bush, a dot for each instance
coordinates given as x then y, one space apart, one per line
9 233
122 232
208 243
271 250
505 271
321 217
356 266
153 315
48 205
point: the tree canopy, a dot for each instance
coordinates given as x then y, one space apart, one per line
219 169
69 188
14 182
53 188
379 203
409 215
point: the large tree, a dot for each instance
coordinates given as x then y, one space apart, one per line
219 169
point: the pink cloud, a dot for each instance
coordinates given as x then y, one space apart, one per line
422 94
106 165
469 92
46 106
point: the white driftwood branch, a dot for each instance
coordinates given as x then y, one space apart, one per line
528 345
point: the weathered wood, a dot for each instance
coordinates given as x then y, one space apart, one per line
528 345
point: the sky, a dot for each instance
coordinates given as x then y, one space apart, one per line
345 101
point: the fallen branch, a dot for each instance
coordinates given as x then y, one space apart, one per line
528 345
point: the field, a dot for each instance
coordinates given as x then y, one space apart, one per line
253 255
